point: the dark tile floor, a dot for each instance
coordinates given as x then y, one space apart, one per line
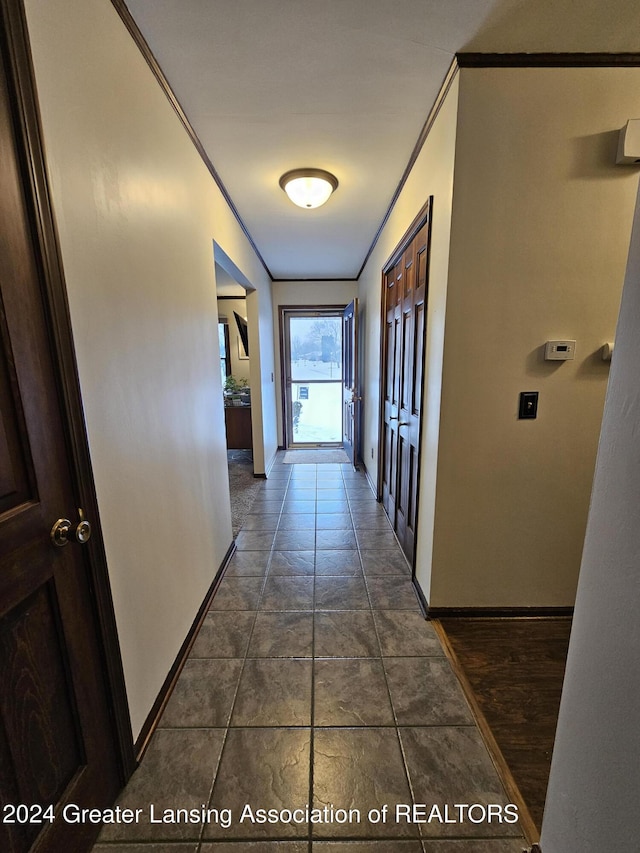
315 680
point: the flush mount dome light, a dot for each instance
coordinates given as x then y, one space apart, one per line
308 187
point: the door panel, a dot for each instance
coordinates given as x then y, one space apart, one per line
16 468
418 356
393 349
56 737
406 378
401 487
404 312
389 360
40 711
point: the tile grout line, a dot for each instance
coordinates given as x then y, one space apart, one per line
267 573
245 657
201 838
311 728
419 840
386 681
364 577
237 688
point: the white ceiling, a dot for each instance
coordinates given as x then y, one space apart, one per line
226 285
343 85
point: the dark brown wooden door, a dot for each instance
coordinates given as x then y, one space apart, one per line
404 313
56 741
391 372
351 385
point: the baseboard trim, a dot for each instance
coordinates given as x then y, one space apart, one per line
422 599
259 476
527 824
497 612
367 475
270 464
153 718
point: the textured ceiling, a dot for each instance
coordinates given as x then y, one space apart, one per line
343 85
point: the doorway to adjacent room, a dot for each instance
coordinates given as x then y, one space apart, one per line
235 374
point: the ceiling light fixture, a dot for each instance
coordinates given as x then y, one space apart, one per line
308 187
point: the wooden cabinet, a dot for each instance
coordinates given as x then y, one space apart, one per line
237 421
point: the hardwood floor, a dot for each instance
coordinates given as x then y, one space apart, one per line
515 668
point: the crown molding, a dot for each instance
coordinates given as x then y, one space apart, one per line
121 8
424 133
460 60
302 280
547 60
498 60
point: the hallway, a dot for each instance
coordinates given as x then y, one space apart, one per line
315 680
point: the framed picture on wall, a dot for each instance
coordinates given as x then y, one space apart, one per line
243 336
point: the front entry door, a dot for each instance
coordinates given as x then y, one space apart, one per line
312 374
350 385
56 736
404 312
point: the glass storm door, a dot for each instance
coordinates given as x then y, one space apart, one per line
313 377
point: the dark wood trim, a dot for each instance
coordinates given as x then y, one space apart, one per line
344 279
153 718
413 229
234 298
497 612
495 60
283 395
424 215
418 221
381 382
227 347
547 60
259 476
423 372
527 824
34 174
422 138
121 8
422 598
320 308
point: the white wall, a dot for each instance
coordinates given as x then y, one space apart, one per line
138 215
432 175
592 798
263 376
529 244
541 224
307 293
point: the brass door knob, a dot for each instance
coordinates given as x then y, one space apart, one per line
62 531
